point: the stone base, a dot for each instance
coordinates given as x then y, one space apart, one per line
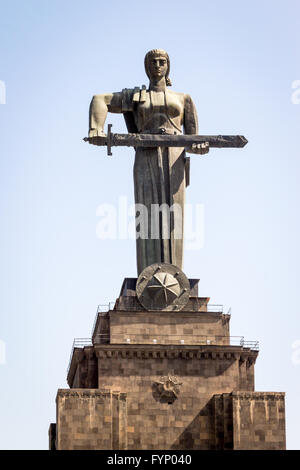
98 420
250 420
165 380
90 419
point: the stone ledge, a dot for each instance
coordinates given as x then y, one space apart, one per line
131 303
172 352
90 419
247 420
79 355
258 395
185 313
151 351
89 393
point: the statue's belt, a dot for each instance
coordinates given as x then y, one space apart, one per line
161 131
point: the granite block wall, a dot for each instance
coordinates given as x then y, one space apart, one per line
91 419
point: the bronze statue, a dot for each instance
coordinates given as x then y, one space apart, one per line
157 116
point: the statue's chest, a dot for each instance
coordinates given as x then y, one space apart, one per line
159 103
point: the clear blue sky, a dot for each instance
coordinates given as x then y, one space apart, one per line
238 61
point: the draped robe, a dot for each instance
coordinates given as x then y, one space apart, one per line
160 173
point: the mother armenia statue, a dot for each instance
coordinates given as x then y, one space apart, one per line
160 173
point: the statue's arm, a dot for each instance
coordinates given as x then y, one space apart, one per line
99 107
190 118
190 126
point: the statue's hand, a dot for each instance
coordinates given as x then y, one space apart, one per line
199 149
94 135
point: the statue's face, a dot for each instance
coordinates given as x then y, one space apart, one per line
158 67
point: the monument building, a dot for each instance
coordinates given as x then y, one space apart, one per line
161 370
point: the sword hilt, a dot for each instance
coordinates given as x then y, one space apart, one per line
103 140
109 140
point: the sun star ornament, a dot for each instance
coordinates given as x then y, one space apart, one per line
163 286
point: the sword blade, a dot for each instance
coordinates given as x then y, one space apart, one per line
165 140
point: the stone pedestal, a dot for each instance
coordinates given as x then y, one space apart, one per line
165 380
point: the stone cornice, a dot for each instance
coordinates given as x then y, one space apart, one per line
79 356
130 303
258 395
145 351
159 351
182 313
89 393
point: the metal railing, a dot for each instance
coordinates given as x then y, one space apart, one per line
105 307
218 308
194 340
102 309
215 308
79 343
132 303
250 344
170 338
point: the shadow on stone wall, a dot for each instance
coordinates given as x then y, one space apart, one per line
200 433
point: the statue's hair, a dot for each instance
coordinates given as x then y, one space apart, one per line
155 53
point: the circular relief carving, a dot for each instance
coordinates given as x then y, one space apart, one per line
163 286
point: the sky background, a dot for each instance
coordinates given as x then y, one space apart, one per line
238 61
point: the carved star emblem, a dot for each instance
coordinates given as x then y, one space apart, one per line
164 288
168 388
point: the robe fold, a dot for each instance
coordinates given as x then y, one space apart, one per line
160 174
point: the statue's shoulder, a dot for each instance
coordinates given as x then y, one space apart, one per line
131 96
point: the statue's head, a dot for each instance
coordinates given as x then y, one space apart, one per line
157 65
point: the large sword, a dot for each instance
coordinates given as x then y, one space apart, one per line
164 140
